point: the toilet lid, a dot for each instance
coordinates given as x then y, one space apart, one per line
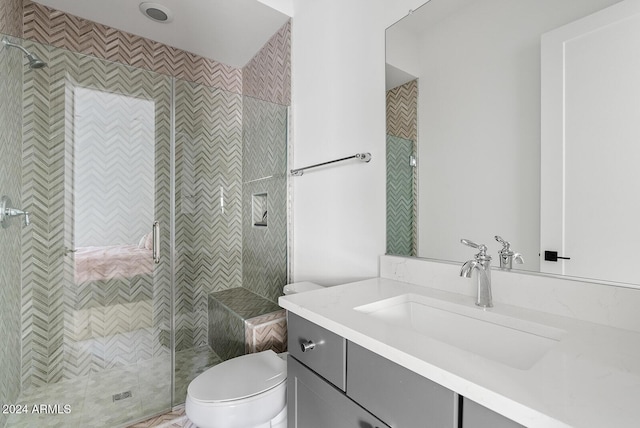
239 377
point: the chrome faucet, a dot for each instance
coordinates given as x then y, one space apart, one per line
482 263
507 255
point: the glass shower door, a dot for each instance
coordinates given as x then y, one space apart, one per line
120 234
116 245
96 317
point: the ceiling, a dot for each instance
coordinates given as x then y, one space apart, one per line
228 31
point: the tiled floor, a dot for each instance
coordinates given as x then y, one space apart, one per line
174 419
90 399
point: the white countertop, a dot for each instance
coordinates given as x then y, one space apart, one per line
590 378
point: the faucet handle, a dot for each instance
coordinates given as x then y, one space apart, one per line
27 217
507 251
502 241
507 255
470 243
481 247
506 246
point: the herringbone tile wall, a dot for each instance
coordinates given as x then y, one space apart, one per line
267 90
268 75
10 185
266 332
402 191
114 168
208 204
264 249
56 28
402 111
400 202
11 17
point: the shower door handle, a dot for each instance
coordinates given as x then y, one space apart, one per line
156 242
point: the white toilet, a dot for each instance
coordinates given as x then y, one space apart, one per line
249 391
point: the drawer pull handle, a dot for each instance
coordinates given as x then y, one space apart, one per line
307 346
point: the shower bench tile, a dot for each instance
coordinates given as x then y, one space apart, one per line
266 332
242 322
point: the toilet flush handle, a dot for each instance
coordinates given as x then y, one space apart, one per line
307 345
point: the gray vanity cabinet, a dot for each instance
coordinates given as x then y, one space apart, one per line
334 383
477 416
397 395
312 402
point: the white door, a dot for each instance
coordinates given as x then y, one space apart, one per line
590 189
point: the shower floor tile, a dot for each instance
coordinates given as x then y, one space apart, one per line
91 398
69 392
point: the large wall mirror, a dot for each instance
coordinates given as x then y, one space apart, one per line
519 119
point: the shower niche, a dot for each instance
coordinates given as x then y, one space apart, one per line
259 209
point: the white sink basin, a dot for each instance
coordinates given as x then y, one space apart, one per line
512 341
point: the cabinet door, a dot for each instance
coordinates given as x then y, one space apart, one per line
314 403
477 416
398 396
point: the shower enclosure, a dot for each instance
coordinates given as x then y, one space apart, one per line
135 185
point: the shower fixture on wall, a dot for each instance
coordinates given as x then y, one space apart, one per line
34 61
6 213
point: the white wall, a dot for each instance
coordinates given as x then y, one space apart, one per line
402 50
338 109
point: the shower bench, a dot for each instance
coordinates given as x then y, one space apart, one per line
242 322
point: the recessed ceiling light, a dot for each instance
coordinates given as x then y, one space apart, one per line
156 12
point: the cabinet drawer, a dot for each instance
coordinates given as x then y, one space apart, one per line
396 395
313 402
317 348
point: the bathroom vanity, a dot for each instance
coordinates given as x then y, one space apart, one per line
332 382
384 352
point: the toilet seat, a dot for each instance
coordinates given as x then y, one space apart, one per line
239 378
